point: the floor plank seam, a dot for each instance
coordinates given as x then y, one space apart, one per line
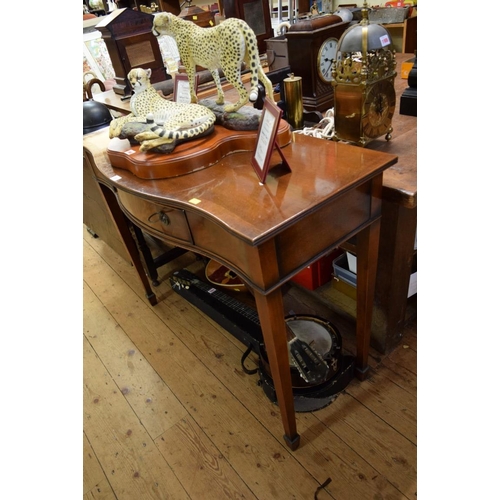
352 440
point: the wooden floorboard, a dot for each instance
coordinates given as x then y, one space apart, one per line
170 413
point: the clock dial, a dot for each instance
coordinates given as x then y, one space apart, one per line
379 109
326 57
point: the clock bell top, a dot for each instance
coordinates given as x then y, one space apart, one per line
364 53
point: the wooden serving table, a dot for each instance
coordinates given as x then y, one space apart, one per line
264 233
399 218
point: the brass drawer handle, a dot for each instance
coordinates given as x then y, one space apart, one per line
159 217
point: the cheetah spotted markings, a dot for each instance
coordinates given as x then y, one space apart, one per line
179 121
225 46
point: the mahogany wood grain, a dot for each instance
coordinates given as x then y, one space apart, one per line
265 233
399 218
368 240
275 337
398 225
191 155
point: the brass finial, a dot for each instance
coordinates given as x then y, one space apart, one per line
364 13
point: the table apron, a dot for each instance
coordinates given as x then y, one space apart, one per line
268 265
333 223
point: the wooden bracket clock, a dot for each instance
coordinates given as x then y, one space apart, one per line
312 45
131 44
363 81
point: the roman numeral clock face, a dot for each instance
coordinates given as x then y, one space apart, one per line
326 58
380 104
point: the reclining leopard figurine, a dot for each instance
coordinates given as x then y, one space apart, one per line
173 122
225 46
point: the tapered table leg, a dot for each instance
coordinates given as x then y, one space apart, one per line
123 228
272 322
367 254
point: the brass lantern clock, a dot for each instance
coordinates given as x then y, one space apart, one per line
363 80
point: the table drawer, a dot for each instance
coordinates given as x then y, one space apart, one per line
157 218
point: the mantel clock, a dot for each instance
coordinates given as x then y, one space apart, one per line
312 45
363 81
326 57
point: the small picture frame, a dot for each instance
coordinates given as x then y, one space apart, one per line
182 91
266 139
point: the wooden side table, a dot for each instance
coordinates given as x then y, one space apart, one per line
264 233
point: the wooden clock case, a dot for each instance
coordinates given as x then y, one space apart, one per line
304 42
131 44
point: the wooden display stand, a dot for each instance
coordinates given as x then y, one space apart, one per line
190 156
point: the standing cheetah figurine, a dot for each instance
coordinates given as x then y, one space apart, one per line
225 46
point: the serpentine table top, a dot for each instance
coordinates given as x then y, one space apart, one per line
400 180
265 233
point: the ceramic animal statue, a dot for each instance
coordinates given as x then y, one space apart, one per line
225 46
154 136
174 122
